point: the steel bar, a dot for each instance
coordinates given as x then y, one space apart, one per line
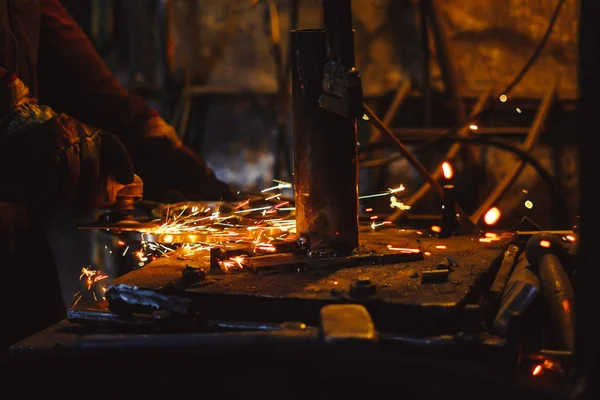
532 137
426 53
452 152
325 154
444 56
378 175
464 218
427 133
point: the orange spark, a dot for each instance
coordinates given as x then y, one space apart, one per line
266 247
374 217
242 204
491 235
403 249
427 253
369 209
537 370
492 216
566 306
436 228
447 170
419 233
121 243
441 247
545 243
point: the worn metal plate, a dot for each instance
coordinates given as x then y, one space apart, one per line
401 302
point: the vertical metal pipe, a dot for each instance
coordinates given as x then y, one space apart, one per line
325 154
588 272
449 218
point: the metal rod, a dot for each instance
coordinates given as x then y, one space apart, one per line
337 18
426 133
426 89
464 218
452 152
325 149
532 137
447 67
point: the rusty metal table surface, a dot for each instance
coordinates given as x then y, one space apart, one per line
402 301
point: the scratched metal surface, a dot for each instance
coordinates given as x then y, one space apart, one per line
401 302
396 283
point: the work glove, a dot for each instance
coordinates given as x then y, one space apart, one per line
51 161
173 172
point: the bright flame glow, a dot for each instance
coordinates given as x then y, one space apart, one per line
537 370
545 243
447 170
473 127
492 216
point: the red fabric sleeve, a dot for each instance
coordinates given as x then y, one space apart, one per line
74 80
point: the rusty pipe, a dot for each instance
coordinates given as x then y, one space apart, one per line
325 154
543 252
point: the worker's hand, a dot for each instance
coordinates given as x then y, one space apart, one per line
172 171
61 164
51 161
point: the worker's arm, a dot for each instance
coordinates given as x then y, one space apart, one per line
74 80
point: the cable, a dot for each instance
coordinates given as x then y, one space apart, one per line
515 81
556 195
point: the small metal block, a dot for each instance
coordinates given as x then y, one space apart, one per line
363 287
435 276
346 322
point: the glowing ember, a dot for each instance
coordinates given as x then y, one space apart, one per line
529 204
537 370
447 170
394 203
89 276
473 127
368 210
570 238
441 247
503 98
427 253
403 249
566 306
492 216
436 229
545 243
